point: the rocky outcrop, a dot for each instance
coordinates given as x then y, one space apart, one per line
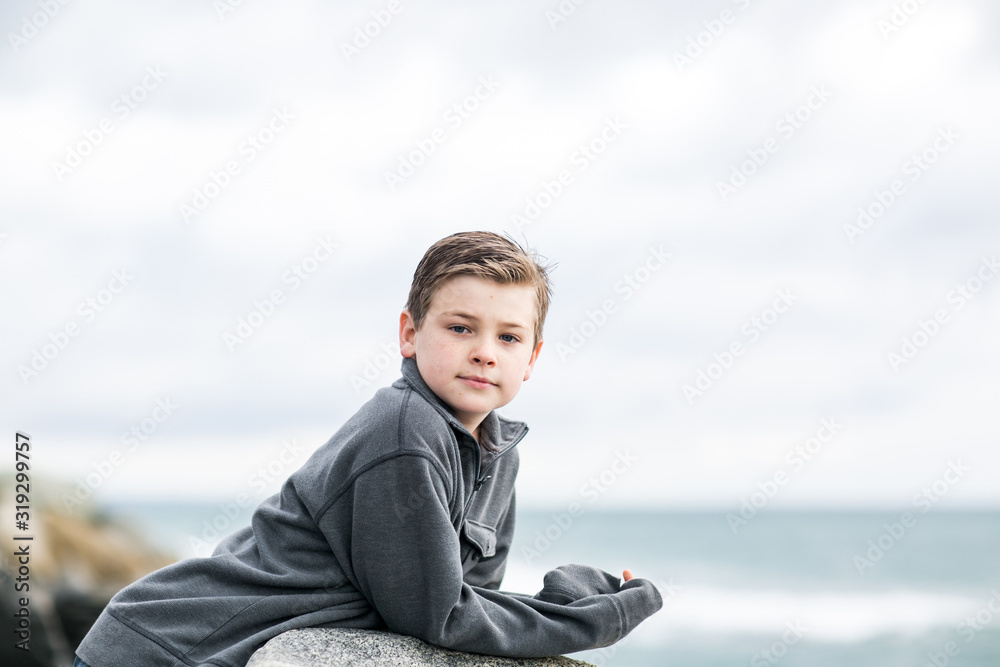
78 558
336 647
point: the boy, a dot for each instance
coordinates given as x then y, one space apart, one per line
404 519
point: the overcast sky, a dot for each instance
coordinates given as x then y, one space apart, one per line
772 221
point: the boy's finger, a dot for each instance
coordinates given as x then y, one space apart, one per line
627 575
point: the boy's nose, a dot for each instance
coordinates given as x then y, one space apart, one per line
483 353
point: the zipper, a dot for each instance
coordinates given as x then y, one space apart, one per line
479 462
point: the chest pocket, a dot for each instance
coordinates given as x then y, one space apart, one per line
483 537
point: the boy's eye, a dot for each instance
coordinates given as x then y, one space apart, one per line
462 326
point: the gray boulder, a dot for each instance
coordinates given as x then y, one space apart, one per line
341 647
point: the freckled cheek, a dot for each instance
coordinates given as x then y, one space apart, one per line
448 349
443 349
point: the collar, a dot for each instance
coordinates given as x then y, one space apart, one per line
497 431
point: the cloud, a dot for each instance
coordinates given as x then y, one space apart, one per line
656 183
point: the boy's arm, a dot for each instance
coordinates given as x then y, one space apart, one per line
488 572
405 558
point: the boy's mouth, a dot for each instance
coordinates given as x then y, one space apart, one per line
476 381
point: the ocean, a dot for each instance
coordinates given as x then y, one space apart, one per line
816 588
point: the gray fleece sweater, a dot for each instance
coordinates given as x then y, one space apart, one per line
397 523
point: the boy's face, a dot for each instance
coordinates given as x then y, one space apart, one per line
474 328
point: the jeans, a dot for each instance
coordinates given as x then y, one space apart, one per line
79 663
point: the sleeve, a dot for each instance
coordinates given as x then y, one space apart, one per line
406 560
488 572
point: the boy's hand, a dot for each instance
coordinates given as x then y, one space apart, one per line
626 574
569 583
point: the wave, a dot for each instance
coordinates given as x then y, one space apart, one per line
825 615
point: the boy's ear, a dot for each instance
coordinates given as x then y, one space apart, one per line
534 356
407 335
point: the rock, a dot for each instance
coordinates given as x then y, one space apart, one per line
80 557
342 647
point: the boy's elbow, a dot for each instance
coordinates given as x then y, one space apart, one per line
445 628
418 621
